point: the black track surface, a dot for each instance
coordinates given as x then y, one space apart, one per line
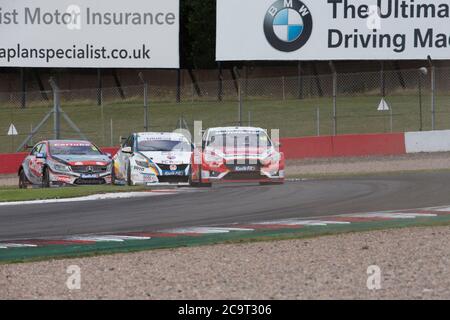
226 204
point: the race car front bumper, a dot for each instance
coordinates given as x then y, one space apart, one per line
243 173
150 176
76 179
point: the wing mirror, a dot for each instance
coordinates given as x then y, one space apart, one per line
127 150
40 156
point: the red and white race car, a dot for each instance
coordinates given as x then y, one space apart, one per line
237 154
65 162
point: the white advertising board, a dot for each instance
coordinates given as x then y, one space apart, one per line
332 29
89 33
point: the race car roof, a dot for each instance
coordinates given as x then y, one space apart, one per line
173 136
69 142
220 130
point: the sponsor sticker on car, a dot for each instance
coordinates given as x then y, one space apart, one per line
149 178
245 168
89 176
173 173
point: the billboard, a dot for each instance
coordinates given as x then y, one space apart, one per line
89 33
332 29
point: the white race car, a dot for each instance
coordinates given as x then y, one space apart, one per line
153 158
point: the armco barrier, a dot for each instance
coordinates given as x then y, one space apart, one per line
344 146
294 148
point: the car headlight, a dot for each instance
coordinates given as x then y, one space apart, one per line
213 157
272 158
59 167
144 164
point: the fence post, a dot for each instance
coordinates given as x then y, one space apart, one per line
237 75
300 80
146 111
220 83
240 101
23 86
392 118
422 72
99 87
318 120
433 93
178 85
56 110
112 132
382 81
333 69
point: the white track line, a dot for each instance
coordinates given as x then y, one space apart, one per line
16 245
206 230
442 209
105 196
107 238
390 215
295 222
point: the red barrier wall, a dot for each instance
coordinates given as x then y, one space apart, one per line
344 146
10 162
294 148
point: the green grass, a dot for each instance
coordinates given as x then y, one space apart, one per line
355 114
13 194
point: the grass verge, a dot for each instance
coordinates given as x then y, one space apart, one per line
10 194
21 255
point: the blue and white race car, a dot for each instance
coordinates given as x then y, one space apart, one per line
153 158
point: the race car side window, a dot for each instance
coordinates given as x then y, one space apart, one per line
132 143
128 142
36 149
43 149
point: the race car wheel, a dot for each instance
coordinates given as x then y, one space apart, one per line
199 184
271 183
46 178
23 181
129 180
113 174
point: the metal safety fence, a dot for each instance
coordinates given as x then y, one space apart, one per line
337 103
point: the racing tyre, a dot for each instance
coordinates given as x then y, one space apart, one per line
129 180
46 178
271 183
198 184
113 174
23 181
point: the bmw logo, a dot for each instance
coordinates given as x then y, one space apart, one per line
288 25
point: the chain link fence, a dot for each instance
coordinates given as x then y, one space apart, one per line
343 103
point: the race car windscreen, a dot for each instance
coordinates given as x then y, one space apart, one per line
79 149
239 140
162 145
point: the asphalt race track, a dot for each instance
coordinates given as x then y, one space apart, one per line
227 204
